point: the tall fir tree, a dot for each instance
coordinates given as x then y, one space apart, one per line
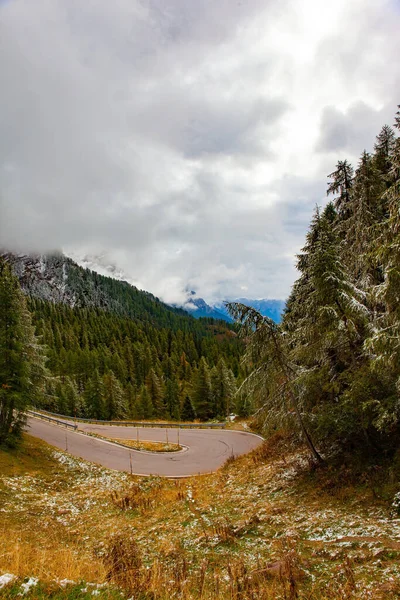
114 399
22 368
94 397
202 392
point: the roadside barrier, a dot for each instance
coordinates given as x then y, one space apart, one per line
46 417
178 425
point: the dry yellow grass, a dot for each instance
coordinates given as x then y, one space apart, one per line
144 445
256 529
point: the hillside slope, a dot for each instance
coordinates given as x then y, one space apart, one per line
59 279
262 527
116 352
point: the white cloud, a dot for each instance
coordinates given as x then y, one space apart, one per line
188 142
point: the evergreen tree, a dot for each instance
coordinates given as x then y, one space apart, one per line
172 399
366 211
202 392
223 389
188 412
114 401
131 401
273 374
94 397
21 359
340 186
154 387
384 148
146 405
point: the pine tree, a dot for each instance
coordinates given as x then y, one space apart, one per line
223 389
94 397
340 185
154 387
202 392
366 210
146 405
22 369
383 345
328 336
114 400
384 148
172 399
273 374
188 412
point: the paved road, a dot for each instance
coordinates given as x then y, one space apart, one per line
206 449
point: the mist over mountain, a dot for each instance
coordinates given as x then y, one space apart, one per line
58 279
198 308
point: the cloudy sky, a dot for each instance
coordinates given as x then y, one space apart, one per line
186 141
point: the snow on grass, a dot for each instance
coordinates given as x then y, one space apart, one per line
32 582
251 512
6 579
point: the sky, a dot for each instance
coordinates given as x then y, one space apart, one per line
186 142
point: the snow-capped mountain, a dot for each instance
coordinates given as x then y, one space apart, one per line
198 307
267 307
44 276
101 264
57 278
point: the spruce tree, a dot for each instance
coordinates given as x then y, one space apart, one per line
114 400
22 370
223 388
154 387
172 399
340 186
188 412
202 392
94 397
273 374
384 148
146 405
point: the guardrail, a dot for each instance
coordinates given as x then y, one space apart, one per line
45 417
177 425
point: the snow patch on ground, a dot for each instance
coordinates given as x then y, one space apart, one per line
6 579
32 582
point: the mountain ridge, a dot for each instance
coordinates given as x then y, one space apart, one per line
58 279
271 308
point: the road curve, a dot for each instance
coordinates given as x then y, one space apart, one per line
206 450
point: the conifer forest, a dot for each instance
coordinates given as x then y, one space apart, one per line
331 370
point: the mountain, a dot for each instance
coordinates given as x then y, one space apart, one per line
268 308
198 307
114 351
58 279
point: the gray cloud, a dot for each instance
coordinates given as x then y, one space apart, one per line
353 130
179 140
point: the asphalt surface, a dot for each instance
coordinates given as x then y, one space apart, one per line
206 450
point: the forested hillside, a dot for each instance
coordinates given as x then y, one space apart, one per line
57 278
331 371
113 351
109 367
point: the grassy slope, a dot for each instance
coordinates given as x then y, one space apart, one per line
259 529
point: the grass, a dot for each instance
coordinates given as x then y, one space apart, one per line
263 527
143 445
